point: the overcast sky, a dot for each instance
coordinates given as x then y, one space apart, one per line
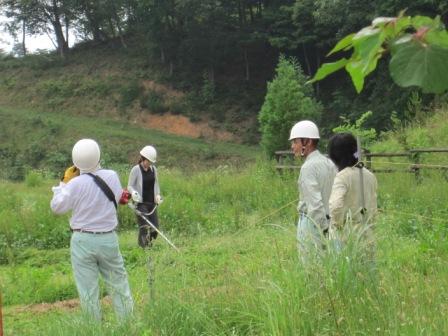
32 42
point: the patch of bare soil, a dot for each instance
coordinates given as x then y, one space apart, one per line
66 305
150 85
181 125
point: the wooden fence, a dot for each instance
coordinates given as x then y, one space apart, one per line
415 165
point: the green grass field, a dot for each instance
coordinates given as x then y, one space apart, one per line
233 218
237 272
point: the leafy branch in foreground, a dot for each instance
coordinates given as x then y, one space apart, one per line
418 47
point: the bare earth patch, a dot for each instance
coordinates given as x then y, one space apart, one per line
181 125
66 305
150 85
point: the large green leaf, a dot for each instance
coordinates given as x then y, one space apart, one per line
419 64
345 43
438 37
328 68
369 46
381 21
424 21
360 68
354 68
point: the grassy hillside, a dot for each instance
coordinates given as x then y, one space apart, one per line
428 133
105 80
33 140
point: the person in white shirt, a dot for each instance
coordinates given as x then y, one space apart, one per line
315 181
353 200
94 245
143 184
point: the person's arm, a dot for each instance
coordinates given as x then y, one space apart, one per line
312 196
156 183
132 181
116 187
62 201
337 198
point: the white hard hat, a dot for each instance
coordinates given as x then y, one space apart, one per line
304 129
149 153
86 155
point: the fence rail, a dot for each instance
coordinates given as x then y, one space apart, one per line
414 156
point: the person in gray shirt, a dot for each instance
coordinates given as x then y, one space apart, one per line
314 184
143 184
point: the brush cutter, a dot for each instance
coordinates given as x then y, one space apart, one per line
150 225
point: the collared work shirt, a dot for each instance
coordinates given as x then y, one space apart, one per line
315 183
346 198
92 210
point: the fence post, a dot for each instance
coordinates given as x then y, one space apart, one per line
368 159
415 156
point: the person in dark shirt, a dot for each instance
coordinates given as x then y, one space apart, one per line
143 184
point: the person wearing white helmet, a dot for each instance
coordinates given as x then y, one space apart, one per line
315 182
94 245
143 184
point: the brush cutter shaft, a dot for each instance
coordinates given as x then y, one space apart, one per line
158 231
142 215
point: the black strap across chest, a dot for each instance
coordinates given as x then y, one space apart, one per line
105 188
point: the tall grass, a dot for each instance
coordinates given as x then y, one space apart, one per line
238 272
221 200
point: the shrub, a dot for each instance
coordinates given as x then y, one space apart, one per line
287 101
154 102
56 88
129 93
33 179
357 129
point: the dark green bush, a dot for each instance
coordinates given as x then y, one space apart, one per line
154 102
129 93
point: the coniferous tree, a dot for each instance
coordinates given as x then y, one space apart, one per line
288 100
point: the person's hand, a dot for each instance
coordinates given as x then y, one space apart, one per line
136 197
125 196
158 199
70 173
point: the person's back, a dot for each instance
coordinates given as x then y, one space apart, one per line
346 200
92 210
353 200
92 196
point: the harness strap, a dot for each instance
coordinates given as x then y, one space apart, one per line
105 188
360 166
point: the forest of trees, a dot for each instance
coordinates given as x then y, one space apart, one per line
240 37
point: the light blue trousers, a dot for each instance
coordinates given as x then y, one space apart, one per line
94 254
310 240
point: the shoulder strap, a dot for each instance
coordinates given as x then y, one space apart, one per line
105 188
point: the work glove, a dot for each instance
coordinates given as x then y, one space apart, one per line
70 173
125 196
136 197
158 199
